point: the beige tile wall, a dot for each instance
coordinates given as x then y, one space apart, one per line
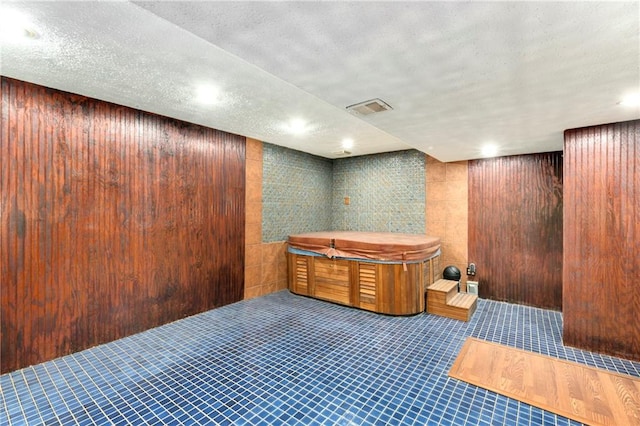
265 264
447 210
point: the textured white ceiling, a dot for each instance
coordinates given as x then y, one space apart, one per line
457 74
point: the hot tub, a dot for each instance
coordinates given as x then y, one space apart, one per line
378 271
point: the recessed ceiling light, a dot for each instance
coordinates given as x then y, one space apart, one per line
208 94
347 143
296 126
631 100
15 26
489 150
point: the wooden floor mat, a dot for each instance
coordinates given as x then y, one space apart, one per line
586 394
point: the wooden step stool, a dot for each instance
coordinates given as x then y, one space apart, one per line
444 299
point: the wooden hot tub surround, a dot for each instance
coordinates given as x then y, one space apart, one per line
381 272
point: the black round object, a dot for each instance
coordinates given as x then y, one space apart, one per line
451 273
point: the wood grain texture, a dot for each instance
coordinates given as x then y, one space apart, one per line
441 291
298 275
382 288
515 228
585 394
461 307
602 239
444 299
112 221
367 286
331 280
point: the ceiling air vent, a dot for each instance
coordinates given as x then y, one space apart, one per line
369 107
341 153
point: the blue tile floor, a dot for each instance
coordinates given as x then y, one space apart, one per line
286 359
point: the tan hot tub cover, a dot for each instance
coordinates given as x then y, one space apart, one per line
389 246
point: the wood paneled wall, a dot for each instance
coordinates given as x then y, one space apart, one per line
515 228
112 221
602 239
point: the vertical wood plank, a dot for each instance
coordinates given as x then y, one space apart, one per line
112 221
602 239
515 228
